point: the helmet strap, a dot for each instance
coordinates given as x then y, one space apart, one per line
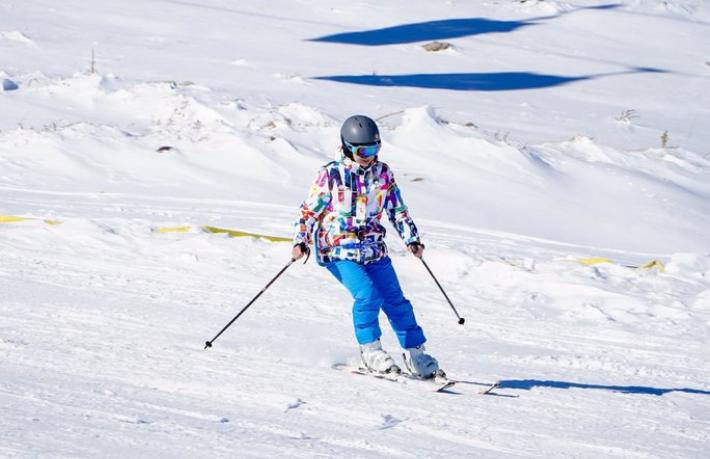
346 151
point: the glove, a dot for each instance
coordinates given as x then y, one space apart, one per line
417 248
299 250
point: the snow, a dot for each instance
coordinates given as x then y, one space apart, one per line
534 143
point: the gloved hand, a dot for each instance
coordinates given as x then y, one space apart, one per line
299 250
417 248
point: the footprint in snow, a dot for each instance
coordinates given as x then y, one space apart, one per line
389 421
133 420
294 405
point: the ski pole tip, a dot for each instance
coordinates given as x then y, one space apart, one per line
461 320
208 344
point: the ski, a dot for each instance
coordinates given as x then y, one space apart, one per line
440 381
488 389
443 382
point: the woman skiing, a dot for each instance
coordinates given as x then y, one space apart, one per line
342 214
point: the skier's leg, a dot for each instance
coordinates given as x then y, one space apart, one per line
366 310
367 299
401 316
398 309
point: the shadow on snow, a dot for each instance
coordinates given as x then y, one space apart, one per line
454 28
528 384
495 81
424 31
438 30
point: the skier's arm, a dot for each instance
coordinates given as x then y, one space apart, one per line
399 215
318 199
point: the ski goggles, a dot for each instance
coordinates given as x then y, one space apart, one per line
363 151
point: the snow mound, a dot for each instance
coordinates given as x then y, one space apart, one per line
589 183
17 37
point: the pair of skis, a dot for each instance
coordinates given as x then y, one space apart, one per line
439 382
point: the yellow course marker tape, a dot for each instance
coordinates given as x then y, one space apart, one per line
216 230
172 229
235 233
598 260
16 219
654 264
12 219
594 261
163 229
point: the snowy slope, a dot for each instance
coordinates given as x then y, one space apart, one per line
535 142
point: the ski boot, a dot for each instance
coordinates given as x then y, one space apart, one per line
420 364
376 360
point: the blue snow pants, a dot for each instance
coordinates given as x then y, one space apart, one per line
374 286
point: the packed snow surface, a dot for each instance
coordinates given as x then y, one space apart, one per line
555 156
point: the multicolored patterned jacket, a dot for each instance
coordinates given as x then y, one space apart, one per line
343 212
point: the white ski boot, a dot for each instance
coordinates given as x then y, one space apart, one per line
376 360
421 364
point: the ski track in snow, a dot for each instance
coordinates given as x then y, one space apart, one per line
103 326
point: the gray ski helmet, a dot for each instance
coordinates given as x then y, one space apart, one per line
359 130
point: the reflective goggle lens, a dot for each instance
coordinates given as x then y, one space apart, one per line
364 151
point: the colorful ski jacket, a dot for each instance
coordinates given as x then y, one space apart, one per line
342 212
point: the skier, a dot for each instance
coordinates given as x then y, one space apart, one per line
343 212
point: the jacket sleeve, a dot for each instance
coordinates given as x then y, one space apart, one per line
399 214
318 199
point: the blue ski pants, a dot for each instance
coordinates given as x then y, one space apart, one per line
374 286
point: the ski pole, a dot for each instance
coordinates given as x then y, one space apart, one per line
209 343
461 319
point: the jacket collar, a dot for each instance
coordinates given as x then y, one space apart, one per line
355 167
